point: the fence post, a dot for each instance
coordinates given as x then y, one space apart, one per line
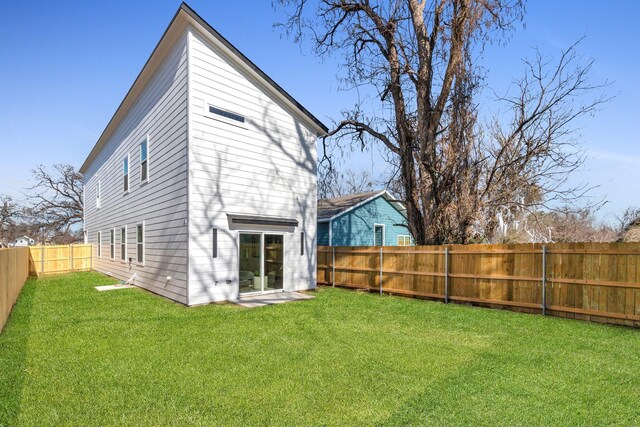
446 275
42 259
380 270
333 266
544 280
70 257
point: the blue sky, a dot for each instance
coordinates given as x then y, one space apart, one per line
65 66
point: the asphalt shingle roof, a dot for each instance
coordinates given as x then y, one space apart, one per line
328 208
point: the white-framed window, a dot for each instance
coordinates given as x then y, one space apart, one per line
123 243
140 242
144 160
219 110
112 243
125 174
99 244
98 195
404 240
378 234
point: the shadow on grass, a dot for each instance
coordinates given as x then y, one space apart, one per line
13 354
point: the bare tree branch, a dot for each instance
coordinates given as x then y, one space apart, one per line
456 175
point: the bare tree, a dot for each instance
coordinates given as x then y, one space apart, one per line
455 174
628 225
564 224
9 216
345 183
57 199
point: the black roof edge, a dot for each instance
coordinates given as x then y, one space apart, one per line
184 6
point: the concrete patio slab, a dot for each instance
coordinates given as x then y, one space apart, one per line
268 299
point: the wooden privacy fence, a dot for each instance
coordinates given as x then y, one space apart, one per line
589 281
59 259
14 270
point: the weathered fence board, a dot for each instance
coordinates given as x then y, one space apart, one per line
14 270
589 281
59 259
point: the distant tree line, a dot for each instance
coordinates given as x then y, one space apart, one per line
50 212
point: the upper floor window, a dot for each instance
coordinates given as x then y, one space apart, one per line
125 174
98 195
224 113
144 161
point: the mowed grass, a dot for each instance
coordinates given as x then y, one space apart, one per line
74 356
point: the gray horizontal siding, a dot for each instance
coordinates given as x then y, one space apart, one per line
160 112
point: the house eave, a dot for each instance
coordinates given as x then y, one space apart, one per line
384 193
184 17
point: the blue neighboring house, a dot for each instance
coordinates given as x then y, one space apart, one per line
367 219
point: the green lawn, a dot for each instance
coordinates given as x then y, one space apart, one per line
72 355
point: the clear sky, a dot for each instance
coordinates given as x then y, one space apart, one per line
66 65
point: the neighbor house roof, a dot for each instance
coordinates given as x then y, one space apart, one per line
331 208
186 16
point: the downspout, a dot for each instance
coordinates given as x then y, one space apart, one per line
330 232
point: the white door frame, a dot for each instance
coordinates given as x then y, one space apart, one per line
384 233
284 262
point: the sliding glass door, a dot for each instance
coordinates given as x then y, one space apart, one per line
273 261
261 266
250 263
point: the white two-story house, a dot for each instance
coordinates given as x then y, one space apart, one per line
202 187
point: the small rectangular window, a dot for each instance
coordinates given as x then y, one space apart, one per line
123 243
404 240
140 242
99 244
112 243
302 243
378 235
226 114
98 195
144 161
125 174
